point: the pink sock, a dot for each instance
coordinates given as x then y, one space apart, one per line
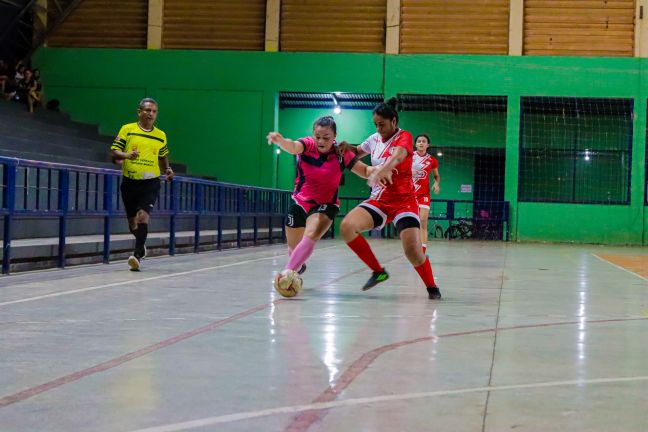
302 252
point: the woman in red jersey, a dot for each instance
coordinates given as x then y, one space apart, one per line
392 199
424 164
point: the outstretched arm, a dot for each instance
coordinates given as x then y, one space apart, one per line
343 146
292 147
363 170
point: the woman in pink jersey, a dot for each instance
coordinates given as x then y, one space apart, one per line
392 199
424 164
315 197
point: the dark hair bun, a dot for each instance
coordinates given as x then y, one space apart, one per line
392 102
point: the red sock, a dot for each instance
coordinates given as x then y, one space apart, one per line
425 271
361 248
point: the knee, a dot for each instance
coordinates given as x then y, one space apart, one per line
414 255
142 217
348 229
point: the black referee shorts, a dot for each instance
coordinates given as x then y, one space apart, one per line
139 195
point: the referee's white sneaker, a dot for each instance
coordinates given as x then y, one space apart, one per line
133 263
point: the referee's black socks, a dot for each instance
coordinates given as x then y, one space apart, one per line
140 239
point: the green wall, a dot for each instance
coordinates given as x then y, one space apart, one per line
218 107
353 126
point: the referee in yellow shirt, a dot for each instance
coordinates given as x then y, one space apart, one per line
142 151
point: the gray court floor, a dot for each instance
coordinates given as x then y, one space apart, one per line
529 337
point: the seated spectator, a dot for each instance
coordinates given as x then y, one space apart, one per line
35 91
5 73
24 86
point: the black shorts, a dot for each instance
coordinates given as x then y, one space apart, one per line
139 195
296 217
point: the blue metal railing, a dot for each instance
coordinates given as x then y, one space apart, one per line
495 214
34 189
50 190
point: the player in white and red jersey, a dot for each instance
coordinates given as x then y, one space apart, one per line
423 164
392 199
315 197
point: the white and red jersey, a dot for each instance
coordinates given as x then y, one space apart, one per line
422 166
380 151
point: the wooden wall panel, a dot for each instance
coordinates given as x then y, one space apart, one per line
214 24
579 27
454 26
103 24
333 25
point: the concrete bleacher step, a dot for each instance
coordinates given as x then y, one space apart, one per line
12 140
44 117
66 127
42 253
54 158
52 137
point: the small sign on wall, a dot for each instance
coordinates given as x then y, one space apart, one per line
466 188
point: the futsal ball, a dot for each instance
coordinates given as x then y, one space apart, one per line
288 283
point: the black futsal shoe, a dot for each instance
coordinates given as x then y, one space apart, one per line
375 279
302 269
434 293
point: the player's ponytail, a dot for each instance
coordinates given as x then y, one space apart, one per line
387 110
326 121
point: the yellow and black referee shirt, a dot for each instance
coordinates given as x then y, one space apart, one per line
151 145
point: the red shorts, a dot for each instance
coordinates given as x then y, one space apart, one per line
423 201
392 211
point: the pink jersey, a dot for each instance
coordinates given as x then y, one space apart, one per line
422 166
402 176
319 174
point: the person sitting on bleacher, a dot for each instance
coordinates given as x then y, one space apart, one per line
5 74
34 91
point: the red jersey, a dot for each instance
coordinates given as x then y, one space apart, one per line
380 151
422 166
319 174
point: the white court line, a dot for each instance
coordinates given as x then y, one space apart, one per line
208 421
621 268
134 281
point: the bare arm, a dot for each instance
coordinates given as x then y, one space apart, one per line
383 173
165 167
436 186
344 146
363 170
288 145
120 155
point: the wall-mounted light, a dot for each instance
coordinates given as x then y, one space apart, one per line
336 109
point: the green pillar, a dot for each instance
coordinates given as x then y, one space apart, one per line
511 175
638 176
